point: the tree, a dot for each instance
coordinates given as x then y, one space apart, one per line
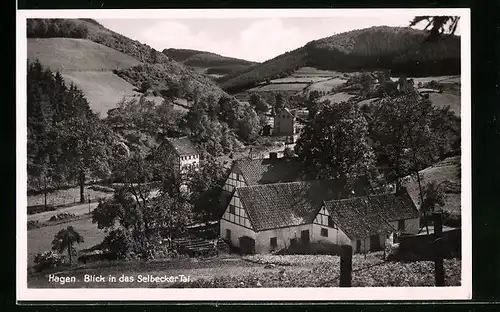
334 145
249 125
86 145
205 186
258 103
433 196
288 152
64 239
280 102
437 25
404 140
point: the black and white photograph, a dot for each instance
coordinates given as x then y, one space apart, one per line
244 154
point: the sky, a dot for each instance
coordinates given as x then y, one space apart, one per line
253 39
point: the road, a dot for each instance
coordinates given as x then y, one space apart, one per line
78 210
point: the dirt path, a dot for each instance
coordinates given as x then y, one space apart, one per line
77 210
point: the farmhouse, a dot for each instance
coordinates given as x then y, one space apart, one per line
284 123
185 154
268 217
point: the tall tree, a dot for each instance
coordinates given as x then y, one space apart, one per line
334 145
279 103
437 25
433 196
258 103
64 239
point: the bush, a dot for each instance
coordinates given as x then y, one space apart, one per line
120 243
62 216
47 259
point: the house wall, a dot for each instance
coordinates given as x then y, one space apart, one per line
412 226
335 235
365 243
189 160
237 231
284 124
236 220
283 237
235 179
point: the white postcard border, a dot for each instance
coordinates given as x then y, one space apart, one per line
240 294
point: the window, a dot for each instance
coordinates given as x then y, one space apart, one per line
273 242
231 209
401 225
228 234
358 245
331 223
324 232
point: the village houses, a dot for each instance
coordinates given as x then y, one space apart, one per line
268 204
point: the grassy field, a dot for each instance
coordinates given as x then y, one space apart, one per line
103 90
447 171
260 271
280 87
326 85
64 197
40 239
337 97
77 54
446 99
310 71
294 79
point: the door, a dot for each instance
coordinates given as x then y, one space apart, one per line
304 236
375 243
247 245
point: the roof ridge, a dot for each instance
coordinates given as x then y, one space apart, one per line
358 197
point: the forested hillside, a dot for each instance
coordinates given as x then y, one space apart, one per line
209 63
401 50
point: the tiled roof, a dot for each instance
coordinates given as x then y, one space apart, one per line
364 216
265 171
278 205
182 146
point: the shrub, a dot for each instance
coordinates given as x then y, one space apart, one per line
47 259
120 243
62 216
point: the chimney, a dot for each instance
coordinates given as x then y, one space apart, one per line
273 155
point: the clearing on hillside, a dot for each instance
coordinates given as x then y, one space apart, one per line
311 71
103 90
337 97
446 99
280 87
63 54
326 85
446 172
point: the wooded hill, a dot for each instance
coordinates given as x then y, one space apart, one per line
210 63
402 50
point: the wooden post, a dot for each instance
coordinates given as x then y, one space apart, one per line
438 262
345 266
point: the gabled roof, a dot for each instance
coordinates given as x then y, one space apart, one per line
278 205
361 217
265 171
182 146
291 113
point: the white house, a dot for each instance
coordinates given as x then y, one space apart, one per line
184 153
266 217
284 123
